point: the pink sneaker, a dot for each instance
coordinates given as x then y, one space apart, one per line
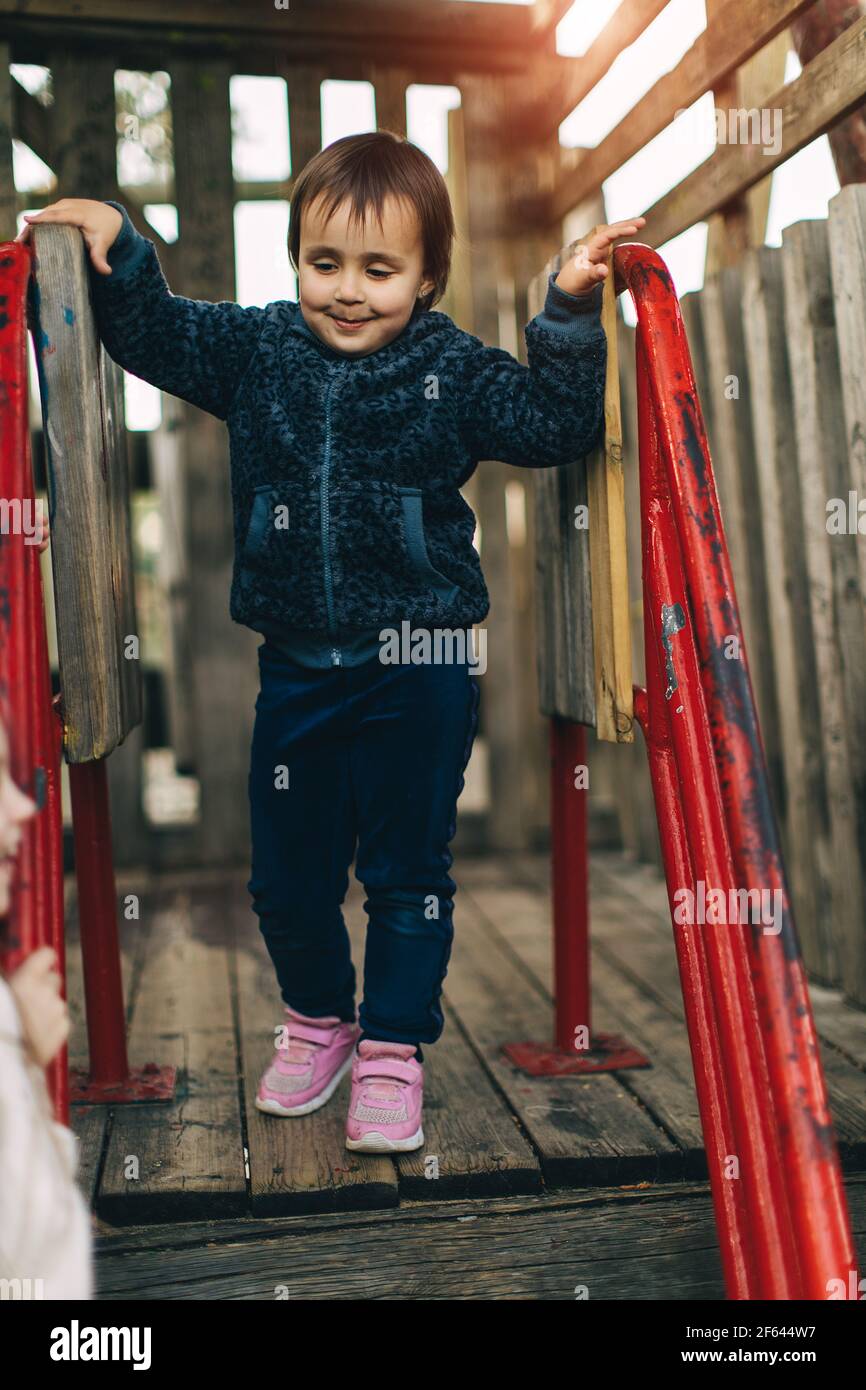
308 1067
387 1095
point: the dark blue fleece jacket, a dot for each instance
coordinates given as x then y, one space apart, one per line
345 471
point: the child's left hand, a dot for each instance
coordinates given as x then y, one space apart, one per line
589 263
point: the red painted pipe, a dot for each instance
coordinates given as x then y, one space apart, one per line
755 976
97 906
36 913
570 883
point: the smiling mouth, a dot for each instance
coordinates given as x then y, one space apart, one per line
338 319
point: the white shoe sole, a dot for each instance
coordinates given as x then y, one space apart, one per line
273 1107
376 1143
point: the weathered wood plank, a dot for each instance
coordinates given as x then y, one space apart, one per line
836 600
8 198
522 918
189 1154
805 814
585 1129
847 232
733 451
625 1244
222 655
100 671
611 636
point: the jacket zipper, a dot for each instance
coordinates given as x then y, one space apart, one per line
336 654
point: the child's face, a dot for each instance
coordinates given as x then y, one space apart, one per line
15 810
367 274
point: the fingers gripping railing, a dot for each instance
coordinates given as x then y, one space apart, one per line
774 1170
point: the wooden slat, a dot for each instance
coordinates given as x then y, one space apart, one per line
221 655
831 86
611 629
727 394
83 126
634 797
445 37
585 1129
847 233
538 1248
521 917
482 101
743 222
304 85
190 1152
805 815
8 202
834 591
389 86
91 542
388 18
561 679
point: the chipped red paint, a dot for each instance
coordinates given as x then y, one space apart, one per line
783 1225
30 715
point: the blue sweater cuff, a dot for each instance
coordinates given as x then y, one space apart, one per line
570 313
128 249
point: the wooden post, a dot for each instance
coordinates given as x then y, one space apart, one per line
611 637
222 654
8 201
82 405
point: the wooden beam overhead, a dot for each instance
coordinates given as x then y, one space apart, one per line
740 30
831 86
572 79
386 21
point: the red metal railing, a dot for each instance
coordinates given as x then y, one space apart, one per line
774 1169
30 715
34 726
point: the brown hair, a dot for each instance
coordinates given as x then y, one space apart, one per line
366 168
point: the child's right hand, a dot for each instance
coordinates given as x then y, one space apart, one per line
100 224
42 1009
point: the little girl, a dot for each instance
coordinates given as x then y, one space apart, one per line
355 416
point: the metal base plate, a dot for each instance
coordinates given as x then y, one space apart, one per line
608 1052
147 1083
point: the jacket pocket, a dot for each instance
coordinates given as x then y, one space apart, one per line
280 555
262 517
416 543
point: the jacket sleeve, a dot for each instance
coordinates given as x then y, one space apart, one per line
550 412
188 347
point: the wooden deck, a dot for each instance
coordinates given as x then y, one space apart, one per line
543 1185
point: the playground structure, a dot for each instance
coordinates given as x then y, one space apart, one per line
784 1229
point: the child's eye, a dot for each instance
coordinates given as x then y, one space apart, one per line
322 265
384 273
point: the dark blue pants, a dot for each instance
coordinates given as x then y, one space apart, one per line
374 754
